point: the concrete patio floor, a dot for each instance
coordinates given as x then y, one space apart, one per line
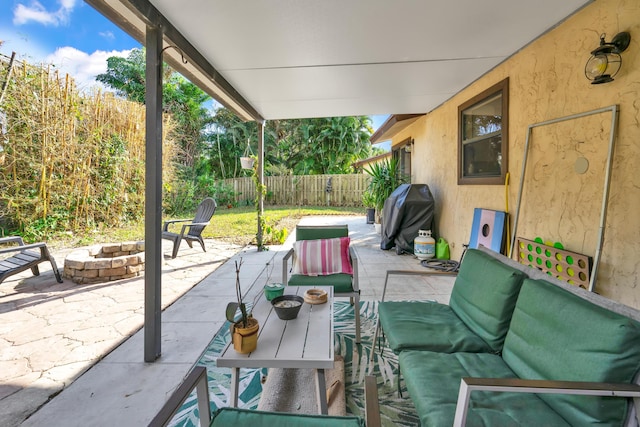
52 335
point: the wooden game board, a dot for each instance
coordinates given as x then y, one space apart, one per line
566 265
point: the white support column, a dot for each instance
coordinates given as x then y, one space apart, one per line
261 182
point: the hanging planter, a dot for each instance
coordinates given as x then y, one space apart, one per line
247 162
248 159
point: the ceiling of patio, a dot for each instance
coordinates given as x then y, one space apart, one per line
296 58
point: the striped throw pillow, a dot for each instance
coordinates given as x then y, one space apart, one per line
322 257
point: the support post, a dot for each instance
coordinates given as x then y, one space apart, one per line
260 172
153 196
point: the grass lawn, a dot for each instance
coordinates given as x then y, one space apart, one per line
236 225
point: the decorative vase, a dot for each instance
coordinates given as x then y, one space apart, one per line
245 340
247 162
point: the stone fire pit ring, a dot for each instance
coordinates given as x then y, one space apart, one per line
105 262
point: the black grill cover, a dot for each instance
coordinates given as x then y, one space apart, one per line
408 209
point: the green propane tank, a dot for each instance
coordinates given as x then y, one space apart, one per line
424 246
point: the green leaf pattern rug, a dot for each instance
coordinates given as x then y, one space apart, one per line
394 411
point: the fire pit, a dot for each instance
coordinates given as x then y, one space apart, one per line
104 263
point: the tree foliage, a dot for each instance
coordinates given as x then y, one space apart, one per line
329 145
296 146
210 146
181 98
126 75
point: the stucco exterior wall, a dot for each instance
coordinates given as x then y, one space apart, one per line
547 82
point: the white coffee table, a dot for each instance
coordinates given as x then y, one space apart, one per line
306 342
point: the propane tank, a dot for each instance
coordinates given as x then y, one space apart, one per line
424 246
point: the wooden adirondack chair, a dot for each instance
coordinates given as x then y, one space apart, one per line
191 232
25 258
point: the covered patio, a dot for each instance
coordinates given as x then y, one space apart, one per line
288 60
268 61
123 390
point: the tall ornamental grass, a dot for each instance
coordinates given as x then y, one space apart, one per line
69 161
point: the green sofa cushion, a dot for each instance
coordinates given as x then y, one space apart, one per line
557 335
227 417
426 326
342 283
433 382
484 295
321 232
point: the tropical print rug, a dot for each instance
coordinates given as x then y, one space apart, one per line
394 410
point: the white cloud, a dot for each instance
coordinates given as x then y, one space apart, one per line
36 12
107 35
83 67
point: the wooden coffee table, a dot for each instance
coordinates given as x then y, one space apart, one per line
306 342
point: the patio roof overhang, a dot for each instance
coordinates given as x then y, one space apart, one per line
286 59
394 124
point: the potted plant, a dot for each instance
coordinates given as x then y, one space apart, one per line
244 330
369 203
247 162
385 178
247 159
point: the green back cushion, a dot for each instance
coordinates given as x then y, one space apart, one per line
557 335
234 417
484 295
321 232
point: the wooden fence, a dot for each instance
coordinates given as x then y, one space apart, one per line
305 190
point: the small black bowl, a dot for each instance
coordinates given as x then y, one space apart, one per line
287 306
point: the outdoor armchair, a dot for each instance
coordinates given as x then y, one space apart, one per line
305 264
191 232
197 380
24 258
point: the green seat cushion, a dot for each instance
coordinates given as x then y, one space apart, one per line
433 382
426 326
342 283
321 232
557 335
234 417
484 295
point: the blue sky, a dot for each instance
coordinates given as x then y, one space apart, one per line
69 34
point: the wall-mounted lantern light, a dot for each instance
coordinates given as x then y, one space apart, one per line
409 146
605 61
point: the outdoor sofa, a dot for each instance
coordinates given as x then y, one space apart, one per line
551 354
